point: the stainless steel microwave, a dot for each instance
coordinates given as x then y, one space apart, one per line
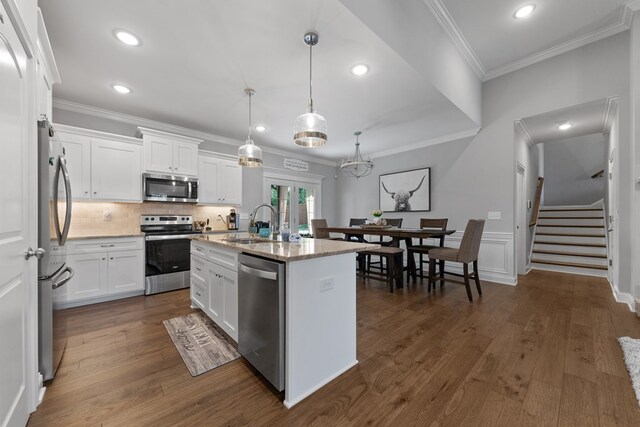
169 188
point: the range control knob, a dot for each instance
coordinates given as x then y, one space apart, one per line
153 219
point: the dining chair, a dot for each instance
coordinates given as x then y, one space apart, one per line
316 225
467 253
423 249
355 222
379 265
394 265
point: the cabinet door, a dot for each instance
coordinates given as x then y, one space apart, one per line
208 180
230 302
115 170
77 151
158 154
214 283
230 189
125 271
90 278
185 158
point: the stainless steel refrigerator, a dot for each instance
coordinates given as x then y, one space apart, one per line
54 220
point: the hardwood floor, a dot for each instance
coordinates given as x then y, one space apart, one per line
541 353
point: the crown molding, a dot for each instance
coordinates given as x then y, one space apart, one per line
526 133
90 133
75 107
435 141
142 131
609 113
443 16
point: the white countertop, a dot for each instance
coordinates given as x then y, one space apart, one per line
284 251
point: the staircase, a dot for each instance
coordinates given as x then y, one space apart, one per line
571 239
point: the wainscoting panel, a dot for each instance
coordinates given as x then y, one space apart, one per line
496 260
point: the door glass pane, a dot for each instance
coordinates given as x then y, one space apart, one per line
281 201
306 209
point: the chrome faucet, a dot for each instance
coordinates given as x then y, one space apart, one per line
274 216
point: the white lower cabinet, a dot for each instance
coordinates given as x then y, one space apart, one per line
104 270
214 288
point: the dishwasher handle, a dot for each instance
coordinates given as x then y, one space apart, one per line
269 275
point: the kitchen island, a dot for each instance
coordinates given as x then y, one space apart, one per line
319 307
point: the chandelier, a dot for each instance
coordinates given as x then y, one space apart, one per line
357 166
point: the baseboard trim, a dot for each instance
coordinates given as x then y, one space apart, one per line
623 297
96 300
290 403
485 274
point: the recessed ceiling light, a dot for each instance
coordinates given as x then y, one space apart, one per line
261 128
359 70
524 11
121 89
127 38
565 126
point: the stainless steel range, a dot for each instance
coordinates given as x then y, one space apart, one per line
167 251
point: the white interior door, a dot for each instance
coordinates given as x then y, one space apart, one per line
16 330
521 220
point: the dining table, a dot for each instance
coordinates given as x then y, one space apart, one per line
396 234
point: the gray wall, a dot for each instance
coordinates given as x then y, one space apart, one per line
569 164
251 178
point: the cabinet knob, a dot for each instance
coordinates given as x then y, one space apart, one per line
86 192
95 192
103 259
111 258
170 168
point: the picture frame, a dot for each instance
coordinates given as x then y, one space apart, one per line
405 191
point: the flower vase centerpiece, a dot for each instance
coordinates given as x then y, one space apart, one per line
377 217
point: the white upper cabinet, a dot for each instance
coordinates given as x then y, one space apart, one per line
220 180
46 71
115 170
77 149
170 154
102 166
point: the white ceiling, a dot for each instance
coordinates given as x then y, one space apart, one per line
198 56
498 43
586 119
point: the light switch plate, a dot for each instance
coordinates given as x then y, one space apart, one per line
494 215
244 215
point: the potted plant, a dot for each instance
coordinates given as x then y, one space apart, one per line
377 215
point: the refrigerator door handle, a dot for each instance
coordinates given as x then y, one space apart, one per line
55 283
62 234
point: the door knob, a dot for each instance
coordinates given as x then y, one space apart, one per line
38 253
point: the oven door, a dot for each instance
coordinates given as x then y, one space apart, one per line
167 254
169 188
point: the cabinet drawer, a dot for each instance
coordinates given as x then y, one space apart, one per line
223 257
198 249
198 269
199 293
101 245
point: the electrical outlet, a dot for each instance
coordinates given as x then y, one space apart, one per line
244 215
326 284
494 215
106 216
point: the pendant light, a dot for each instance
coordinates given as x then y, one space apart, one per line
310 129
357 166
249 154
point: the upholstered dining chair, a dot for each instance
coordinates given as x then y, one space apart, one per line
467 253
423 249
316 224
379 265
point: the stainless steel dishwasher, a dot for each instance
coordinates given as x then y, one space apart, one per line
261 301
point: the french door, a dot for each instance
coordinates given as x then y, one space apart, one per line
296 202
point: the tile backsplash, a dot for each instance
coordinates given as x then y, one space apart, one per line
88 217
